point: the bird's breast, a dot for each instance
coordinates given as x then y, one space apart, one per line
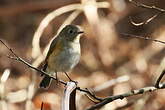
65 59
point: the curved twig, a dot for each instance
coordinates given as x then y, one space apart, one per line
157 85
122 96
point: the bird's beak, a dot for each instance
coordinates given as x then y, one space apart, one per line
80 32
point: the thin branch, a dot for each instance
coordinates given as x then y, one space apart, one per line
144 22
122 96
90 93
102 101
142 37
138 4
157 85
17 58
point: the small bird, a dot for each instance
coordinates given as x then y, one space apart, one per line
63 54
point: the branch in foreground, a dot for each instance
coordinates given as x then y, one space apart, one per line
159 79
128 94
102 101
17 58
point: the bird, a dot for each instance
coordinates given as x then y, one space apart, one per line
63 54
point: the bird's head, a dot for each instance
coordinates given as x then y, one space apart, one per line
71 33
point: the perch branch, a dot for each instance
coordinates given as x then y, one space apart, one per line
102 101
17 58
122 96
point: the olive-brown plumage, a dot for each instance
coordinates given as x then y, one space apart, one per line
64 53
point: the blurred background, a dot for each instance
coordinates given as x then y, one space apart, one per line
111 63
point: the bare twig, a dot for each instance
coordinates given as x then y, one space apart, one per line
17 58
90 93
102 101
142 37
159 79
138 4
144 22
128 94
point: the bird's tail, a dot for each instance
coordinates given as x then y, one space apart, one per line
45 82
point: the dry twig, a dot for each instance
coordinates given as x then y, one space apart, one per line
159 79
17 58
128 94
138 4
146 21
102 101
142 37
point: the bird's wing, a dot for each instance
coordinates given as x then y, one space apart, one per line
51 48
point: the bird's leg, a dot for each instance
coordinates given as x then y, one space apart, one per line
56 77
68 76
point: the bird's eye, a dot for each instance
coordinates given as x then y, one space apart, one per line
70 31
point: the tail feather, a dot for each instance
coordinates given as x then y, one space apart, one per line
45 82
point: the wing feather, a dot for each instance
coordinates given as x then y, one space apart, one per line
51 48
